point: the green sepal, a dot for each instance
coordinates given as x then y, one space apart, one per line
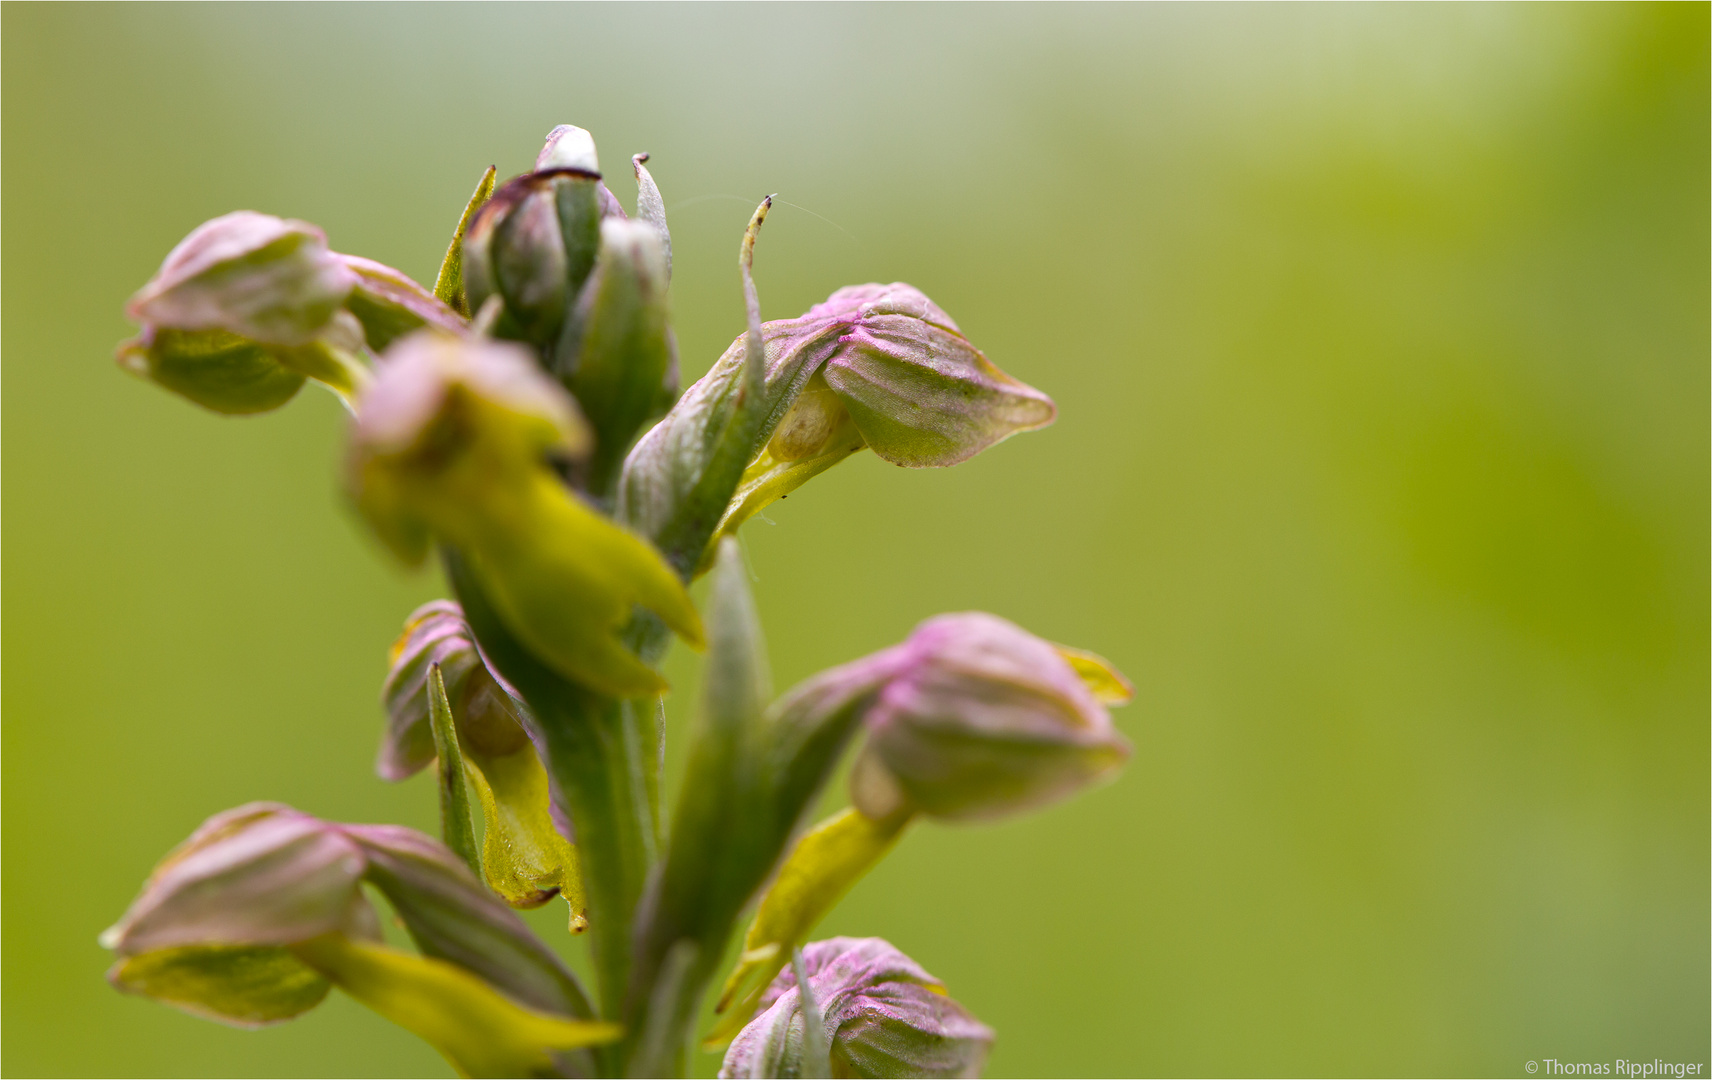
480 1031
576 197
449 284
390 305
826 862
455 827
247 986
216 369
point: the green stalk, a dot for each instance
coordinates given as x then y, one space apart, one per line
602 778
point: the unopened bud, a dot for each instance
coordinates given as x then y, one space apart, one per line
534 243
618 362
980 718
251 919
882 1015
245 310
255 275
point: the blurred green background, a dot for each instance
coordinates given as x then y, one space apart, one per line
1380 340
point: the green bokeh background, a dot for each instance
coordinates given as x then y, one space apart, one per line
1380 341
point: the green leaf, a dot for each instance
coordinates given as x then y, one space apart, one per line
678 479
454 796
243 985
449 285
826 862
479 1030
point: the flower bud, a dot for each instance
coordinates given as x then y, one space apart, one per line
452 441
618 366
524 857
251 919
243 312
882 1014
879 366
534 243
211 931
260 874
255 275
981 718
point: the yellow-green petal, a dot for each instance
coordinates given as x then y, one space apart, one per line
243 985
1104 681
770 478
480 1031
524 858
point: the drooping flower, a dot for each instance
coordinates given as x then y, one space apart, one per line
261 910
454 441
525 858
970 717
877 366
249 306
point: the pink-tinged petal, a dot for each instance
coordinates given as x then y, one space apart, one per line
987 719
389 304
265 278
261 874
882 1014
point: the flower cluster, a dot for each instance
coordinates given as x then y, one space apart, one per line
522 421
